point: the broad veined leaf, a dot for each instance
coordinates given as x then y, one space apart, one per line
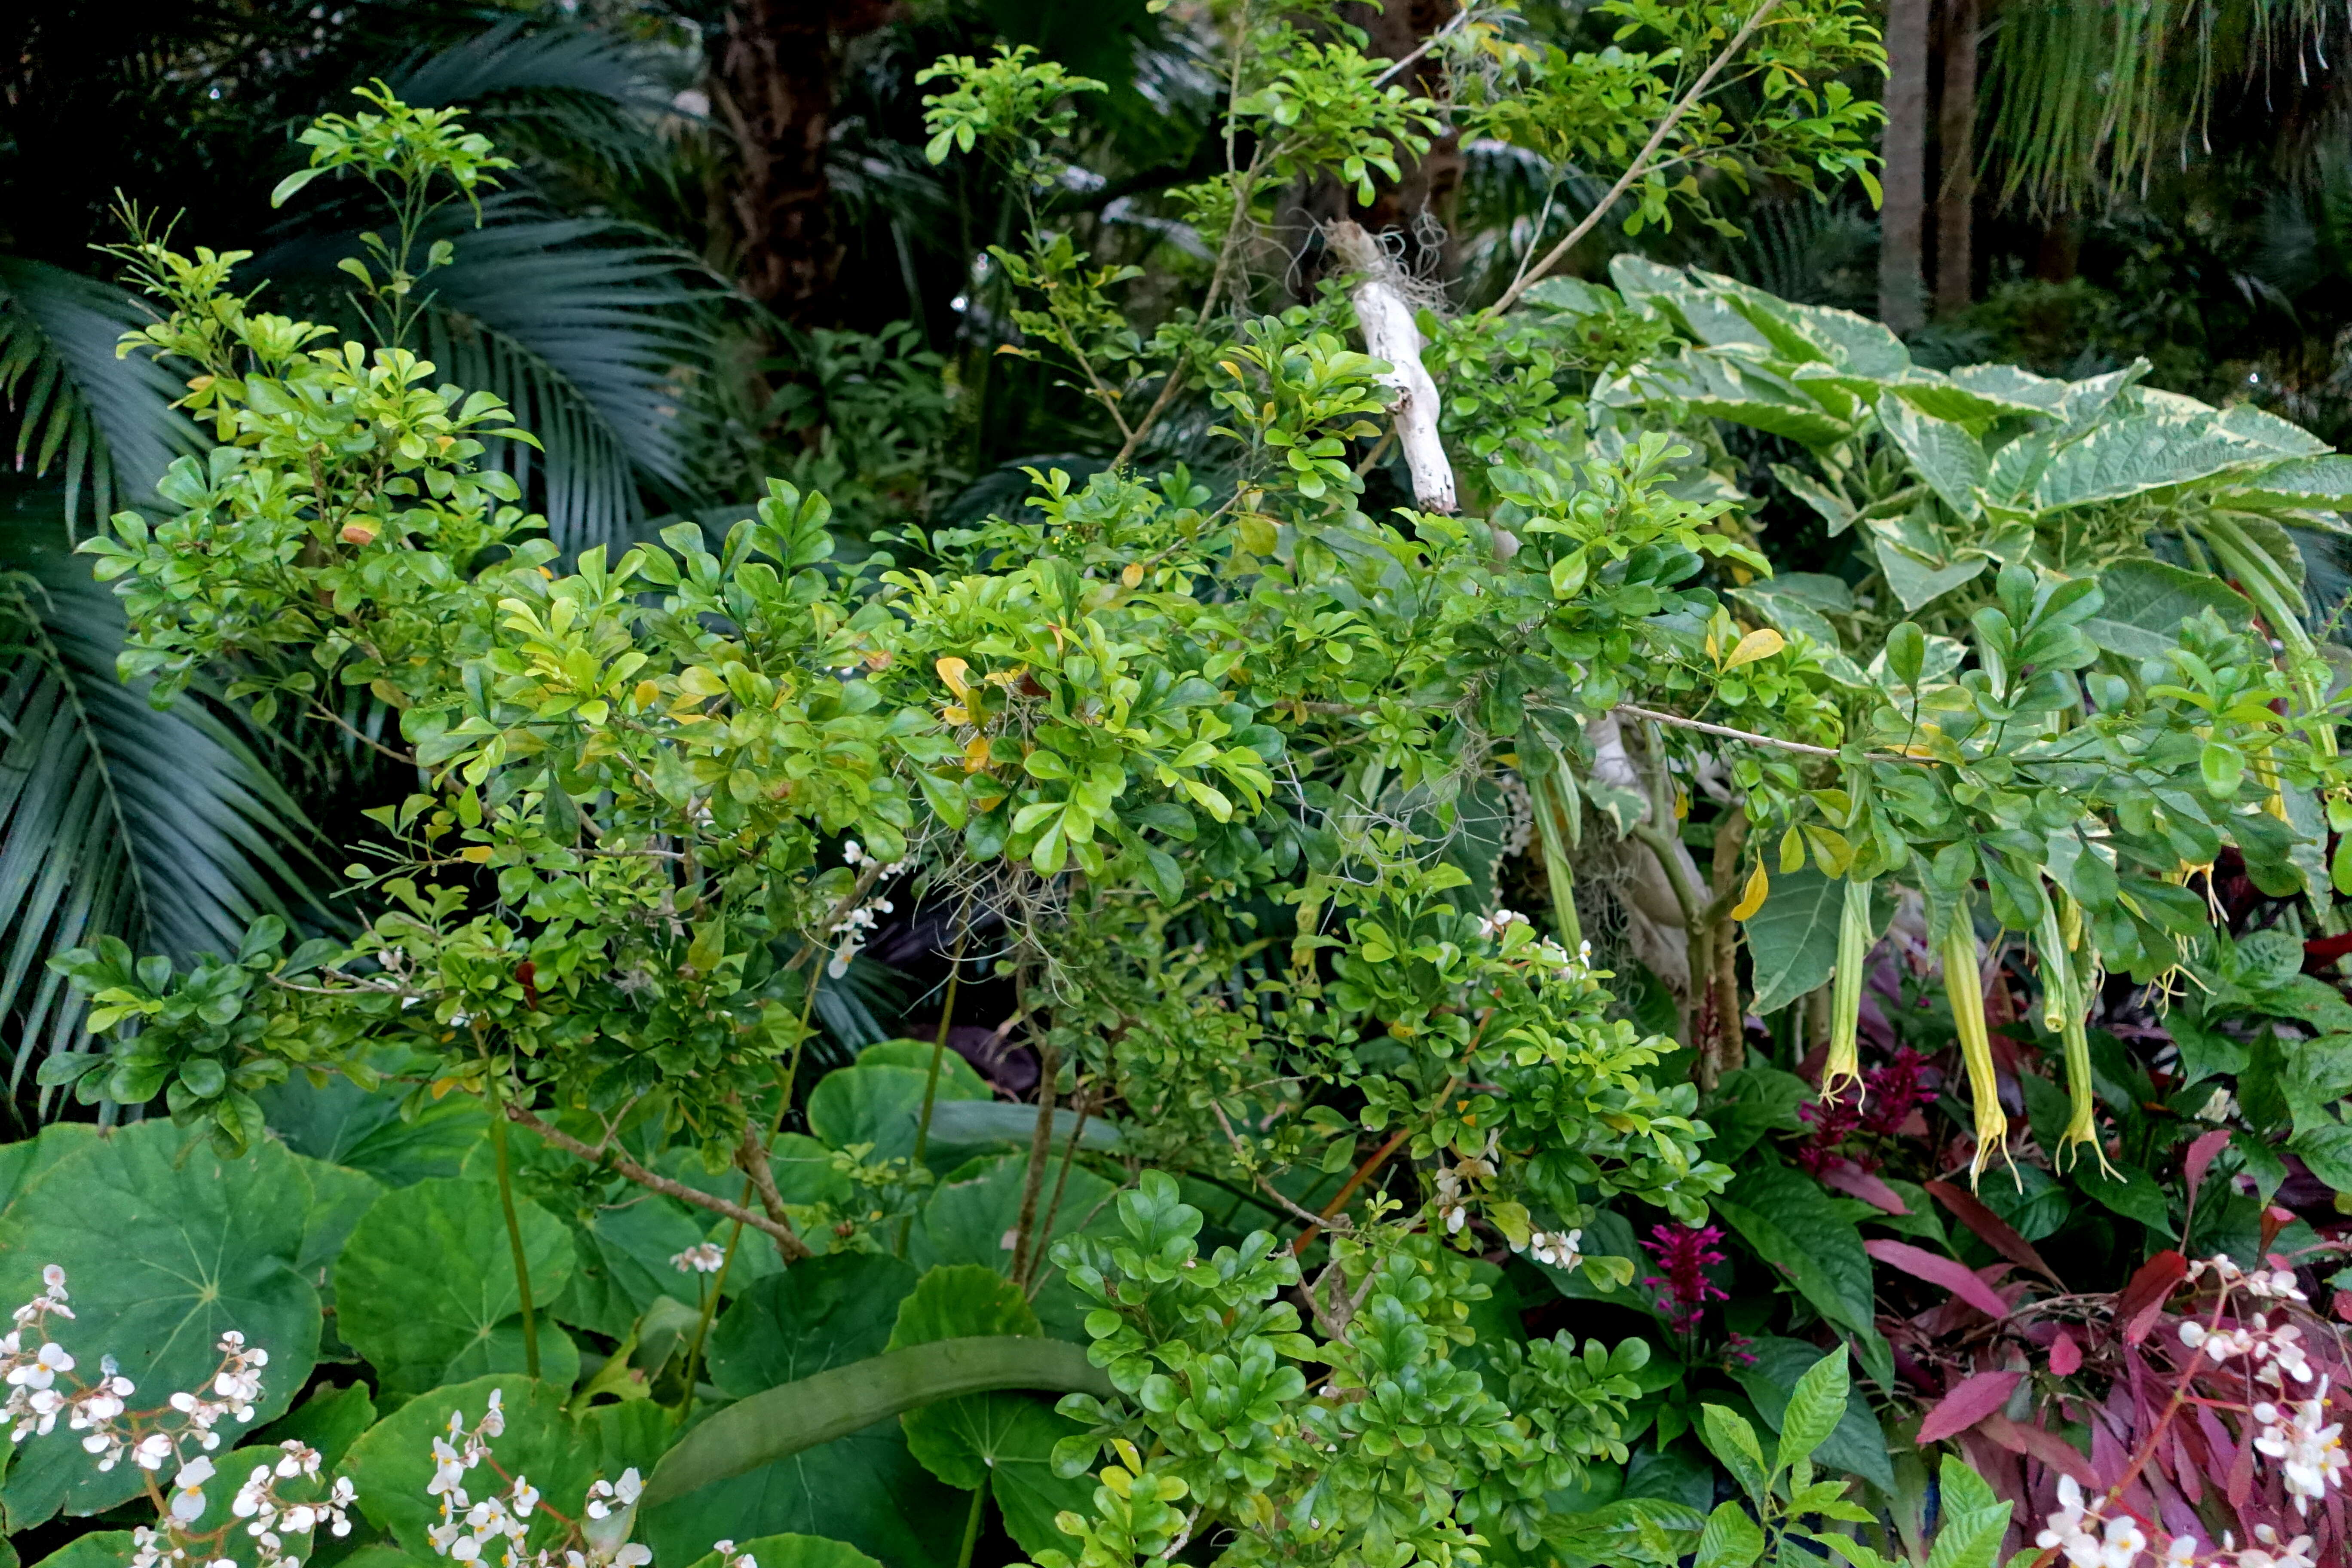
864 1489
98 1549
917 1053
974 1221
1919 583
1002 1440
1950 460
2138 453
339 1197
2020 391
1792 939
2147 600
820 1313
622 1264
1795 1226
21 1162
391 1465
165 1247
344 1124
785 1420
425 1290
790 1551
1744 393
878 1105
1855 1443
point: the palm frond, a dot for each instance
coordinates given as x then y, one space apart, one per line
567 92
592 344
2086 96
105 421
161 828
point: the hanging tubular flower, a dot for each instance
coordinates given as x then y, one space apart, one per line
1845 998
1965 988
2070 975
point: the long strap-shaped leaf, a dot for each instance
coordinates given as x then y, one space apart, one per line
844 1399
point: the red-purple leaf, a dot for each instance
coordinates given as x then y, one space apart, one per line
1955 1277
2065 1355
2035 1443
2150 1288
1971 1402
2201 1158
1856 1183
1995 1231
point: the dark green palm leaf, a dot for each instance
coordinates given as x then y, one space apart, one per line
104 420
161 828
585 340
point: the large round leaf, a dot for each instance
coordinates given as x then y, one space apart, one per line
98 1549
864 1488
623 1264
957 1301
1005 1440
425 1290
165 1247
1001 1440
878 1105
347 1125
973 1221
392 1463
821 1313
793 1552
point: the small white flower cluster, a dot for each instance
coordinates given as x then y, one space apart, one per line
1494 925
1556 1248
852 929
730 1557
703 1258
1453 1186
32 1365
2075 1529
2276 1353
2265 1284
493 1529
257 1500
2307 1446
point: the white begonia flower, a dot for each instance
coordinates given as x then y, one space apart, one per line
704 1258
2309 1448
188 1490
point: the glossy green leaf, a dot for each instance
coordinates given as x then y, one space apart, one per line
425 1290
391 1465
820 1313
165 1247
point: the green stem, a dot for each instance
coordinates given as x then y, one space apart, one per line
939 1054
972 1523
514 1226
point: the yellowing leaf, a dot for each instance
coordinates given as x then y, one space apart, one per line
1751 898
951 671
479 853
1131 573
1762 643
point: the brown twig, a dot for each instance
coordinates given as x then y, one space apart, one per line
786 1239
1638 167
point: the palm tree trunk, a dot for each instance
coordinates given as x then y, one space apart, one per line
1901 294
1955 192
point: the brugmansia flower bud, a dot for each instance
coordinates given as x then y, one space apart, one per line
2067 984
1845 999
1965 989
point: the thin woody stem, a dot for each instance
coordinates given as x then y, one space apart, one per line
1640 166
787 1240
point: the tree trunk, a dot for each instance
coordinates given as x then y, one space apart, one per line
1902 298
773 84
1956 140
